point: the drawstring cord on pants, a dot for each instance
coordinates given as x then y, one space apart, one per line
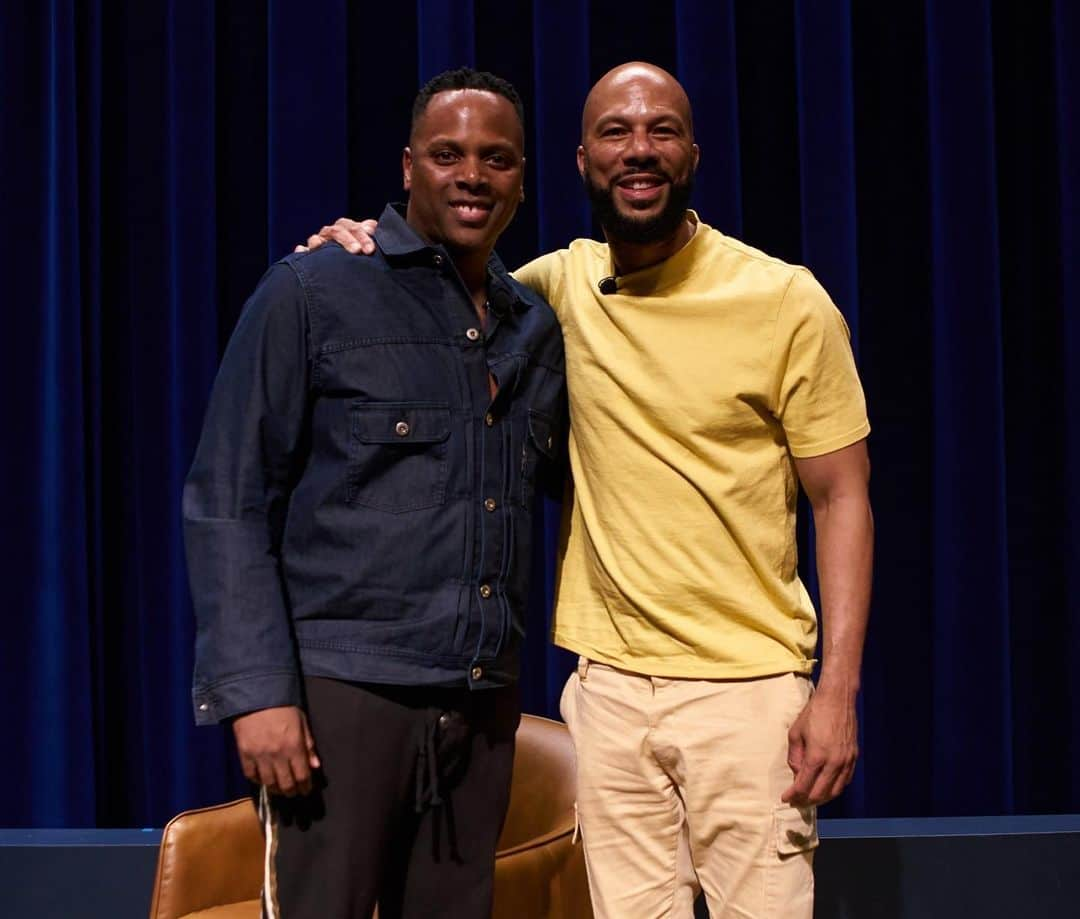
427 761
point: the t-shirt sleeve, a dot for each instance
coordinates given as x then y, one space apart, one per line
543 275
819 399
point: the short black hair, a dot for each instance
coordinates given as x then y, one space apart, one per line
466 78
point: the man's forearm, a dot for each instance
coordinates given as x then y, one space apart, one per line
845 551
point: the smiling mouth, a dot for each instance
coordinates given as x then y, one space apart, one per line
641 190
471 211
638 183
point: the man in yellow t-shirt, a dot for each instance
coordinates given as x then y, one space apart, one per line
706 381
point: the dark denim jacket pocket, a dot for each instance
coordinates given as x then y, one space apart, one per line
398 455
539 443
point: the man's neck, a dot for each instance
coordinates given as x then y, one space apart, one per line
630 257
471 266
473 271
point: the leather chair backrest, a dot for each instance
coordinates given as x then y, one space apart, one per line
542 792
208 857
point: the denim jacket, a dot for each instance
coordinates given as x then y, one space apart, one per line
359 506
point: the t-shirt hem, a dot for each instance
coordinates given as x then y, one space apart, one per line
821 447
689 668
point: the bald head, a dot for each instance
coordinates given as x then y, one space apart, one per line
634 85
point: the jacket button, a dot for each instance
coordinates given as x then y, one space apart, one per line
472 334
204 707
489 419
401 428
437 261
550 442
485 591
444 720
489 505
476 672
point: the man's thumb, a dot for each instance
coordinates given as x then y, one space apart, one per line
309 742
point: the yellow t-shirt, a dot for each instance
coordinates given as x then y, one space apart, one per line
691 389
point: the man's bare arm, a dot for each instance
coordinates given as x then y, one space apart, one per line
823 741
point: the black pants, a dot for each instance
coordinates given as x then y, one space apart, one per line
407 807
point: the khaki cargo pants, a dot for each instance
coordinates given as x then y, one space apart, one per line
679 785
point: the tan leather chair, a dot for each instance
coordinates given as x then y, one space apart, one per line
210 861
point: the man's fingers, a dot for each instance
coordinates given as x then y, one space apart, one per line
286 782
368 227
309 743
300 772
348 241
820 791
355 241
354 236
820 785
251 769
843 779
795 759
799 790
265 774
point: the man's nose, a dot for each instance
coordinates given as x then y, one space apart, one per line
471 174
640 148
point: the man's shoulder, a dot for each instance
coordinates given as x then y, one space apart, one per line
579 249
743 257
331 260
546 275
528 296
584 249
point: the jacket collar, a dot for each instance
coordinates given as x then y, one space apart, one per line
400 243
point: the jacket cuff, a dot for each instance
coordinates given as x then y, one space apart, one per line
242 694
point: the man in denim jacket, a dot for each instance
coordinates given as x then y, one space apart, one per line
358 522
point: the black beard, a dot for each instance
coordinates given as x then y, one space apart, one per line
639 231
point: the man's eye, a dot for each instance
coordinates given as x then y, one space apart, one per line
498 161
444 157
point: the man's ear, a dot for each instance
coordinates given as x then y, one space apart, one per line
581 161
521 193
406 168
697 156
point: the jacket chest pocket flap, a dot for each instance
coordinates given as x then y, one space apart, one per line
398 455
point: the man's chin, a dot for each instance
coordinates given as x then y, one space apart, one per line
636 227
641 216
464 240
639 226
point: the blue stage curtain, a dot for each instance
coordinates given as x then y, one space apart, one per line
922 158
